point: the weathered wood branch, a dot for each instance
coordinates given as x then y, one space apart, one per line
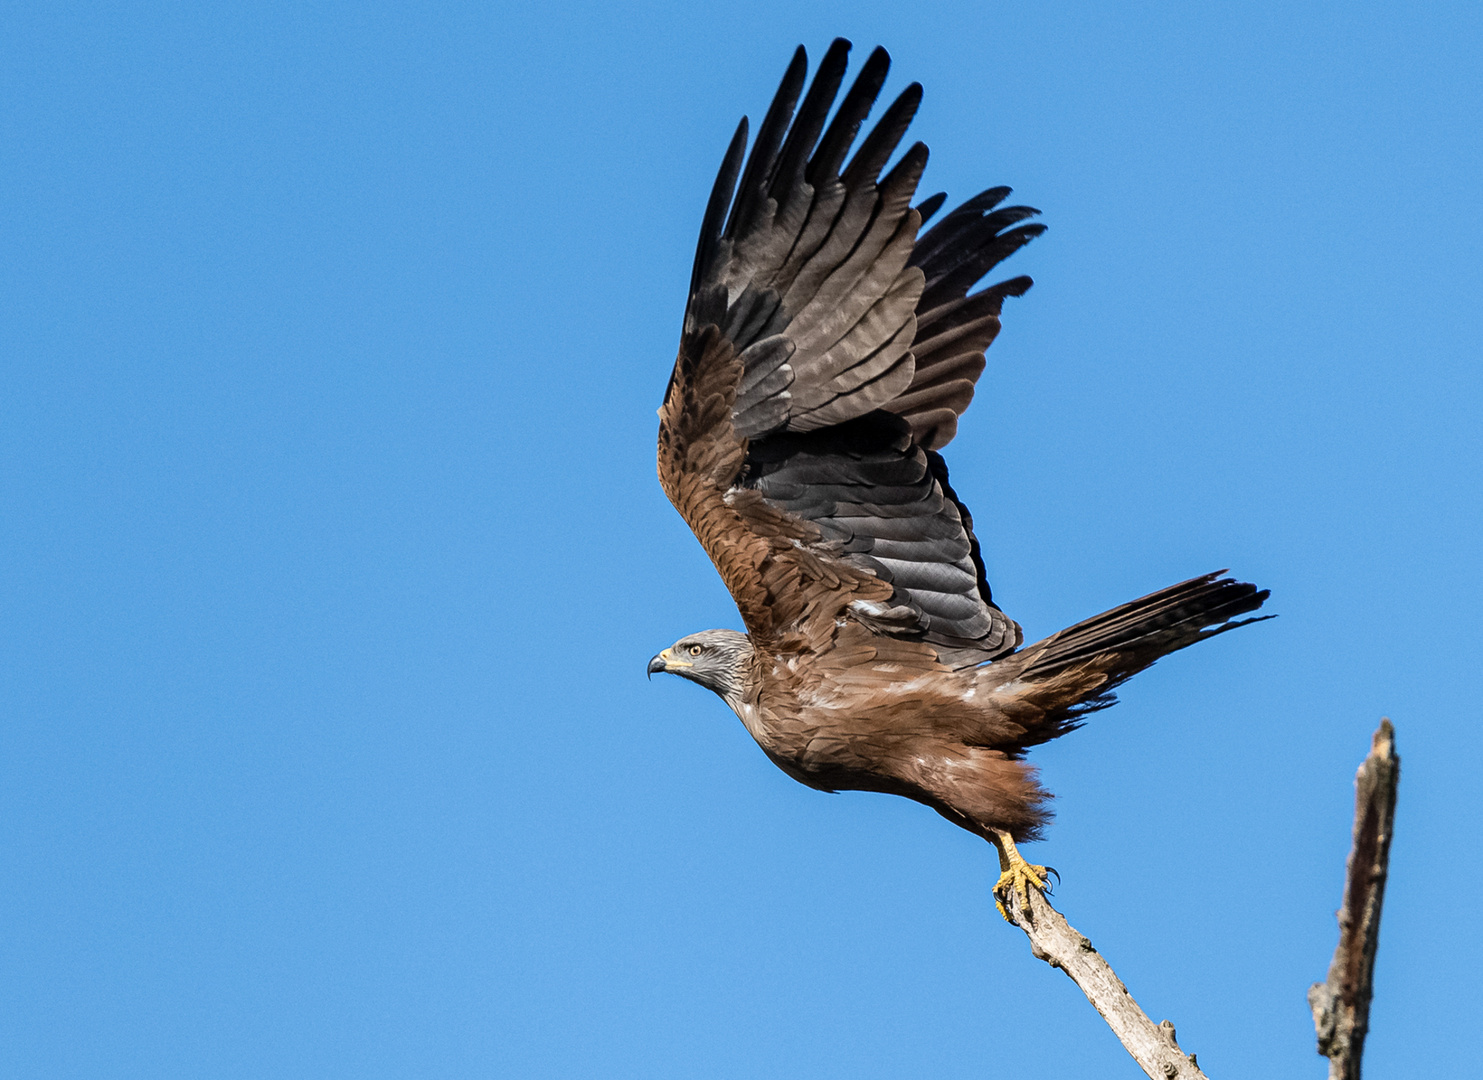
1053 940
1341 1006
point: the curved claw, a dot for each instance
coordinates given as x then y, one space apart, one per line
1021 877
1018 876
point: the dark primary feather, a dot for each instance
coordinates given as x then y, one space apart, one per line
815 254
753 186
930 205
852 113
954 328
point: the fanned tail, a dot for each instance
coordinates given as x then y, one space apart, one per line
1055 682
1139 632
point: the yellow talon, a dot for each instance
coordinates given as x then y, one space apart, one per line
1017 874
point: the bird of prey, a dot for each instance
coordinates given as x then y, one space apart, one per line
829 347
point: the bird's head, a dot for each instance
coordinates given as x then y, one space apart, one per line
719 660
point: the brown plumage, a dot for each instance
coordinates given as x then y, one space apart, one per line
828 350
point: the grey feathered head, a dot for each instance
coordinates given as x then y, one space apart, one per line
718 660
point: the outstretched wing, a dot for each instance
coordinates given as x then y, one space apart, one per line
827 353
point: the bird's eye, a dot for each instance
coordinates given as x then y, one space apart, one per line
694 650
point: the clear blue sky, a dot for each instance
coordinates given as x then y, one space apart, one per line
331 551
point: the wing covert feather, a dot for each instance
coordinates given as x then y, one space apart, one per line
788 592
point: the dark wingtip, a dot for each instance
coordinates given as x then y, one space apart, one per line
1017 286
930 205
798 66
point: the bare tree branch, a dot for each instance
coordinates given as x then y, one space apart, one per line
1053 940
1341 1006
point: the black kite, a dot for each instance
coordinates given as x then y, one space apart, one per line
827 353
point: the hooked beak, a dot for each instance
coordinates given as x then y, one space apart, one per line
666 661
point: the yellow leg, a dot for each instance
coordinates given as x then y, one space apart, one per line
1016 873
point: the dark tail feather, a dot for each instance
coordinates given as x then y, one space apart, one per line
1131 637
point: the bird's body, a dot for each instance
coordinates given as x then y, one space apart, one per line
827 353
